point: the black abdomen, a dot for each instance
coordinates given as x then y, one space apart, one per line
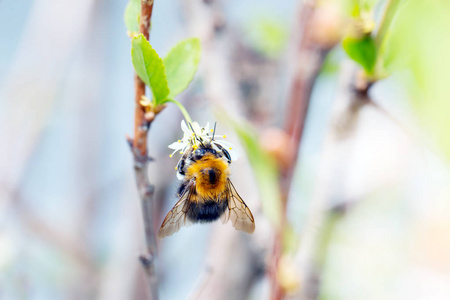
207 211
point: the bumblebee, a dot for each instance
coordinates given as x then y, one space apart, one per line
206 192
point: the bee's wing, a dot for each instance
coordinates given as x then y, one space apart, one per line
176 218
238 212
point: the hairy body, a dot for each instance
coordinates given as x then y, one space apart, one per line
206 193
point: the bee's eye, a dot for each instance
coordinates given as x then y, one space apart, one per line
199 153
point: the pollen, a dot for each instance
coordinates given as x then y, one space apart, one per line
195 146
212 130
179 141
224 136
181 152
170 155
176 168
230 148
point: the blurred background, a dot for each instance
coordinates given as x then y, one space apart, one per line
365 212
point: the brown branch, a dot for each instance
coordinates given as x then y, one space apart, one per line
309 57
140 154
344 116
233 261
141 124
351 97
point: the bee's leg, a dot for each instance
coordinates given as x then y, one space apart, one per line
225 153
180 166
182 188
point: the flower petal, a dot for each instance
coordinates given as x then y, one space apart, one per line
185 129
175 151
196 128
177 145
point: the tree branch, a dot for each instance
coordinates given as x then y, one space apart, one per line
345 113
309 56
232 261
140 154
141 125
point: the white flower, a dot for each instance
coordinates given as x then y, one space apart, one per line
195 136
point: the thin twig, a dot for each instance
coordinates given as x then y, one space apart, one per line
343 117
345 114
141 124
309 58
231 264
140 155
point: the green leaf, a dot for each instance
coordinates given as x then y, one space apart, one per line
181 64
358 8
149 66
132 16
363 51
265 170
416 51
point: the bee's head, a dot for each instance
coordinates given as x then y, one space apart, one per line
201 151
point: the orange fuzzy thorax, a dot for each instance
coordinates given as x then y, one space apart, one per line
202 170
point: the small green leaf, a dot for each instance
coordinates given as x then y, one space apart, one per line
149 66
363 51
132 16
181 64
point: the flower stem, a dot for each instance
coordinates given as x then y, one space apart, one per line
386 20
182 109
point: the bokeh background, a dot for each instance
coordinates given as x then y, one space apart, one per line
369 206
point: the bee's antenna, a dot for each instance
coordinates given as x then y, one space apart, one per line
196 137
214 131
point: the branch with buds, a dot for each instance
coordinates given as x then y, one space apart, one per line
166 78
140 155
